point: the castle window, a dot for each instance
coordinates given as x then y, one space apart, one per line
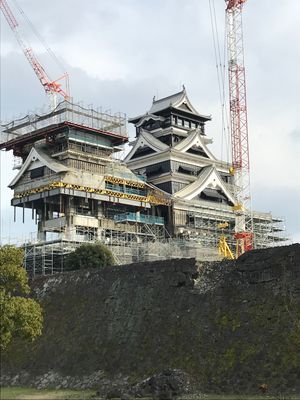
186 124
188 169
180 121
37 172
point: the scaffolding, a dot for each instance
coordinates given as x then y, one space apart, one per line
135 237
48 258
105 202
207 228
34 125
268 230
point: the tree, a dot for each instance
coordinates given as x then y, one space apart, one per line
20 316
89 255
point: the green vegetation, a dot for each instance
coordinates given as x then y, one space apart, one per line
17 393
90 255
20 316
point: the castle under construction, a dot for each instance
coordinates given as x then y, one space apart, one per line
170 196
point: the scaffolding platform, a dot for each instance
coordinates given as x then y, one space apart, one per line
34 127
141 218
48 258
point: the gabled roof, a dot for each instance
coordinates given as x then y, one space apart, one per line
178 100
37 154
166 102
208 178
146 139
195 139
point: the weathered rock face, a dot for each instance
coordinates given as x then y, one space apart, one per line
230 326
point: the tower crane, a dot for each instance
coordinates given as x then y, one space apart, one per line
52 88
239 126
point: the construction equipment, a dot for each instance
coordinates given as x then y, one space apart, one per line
239 126
224 249
223 246
51 87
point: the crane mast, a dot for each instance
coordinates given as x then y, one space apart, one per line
239 126
51 88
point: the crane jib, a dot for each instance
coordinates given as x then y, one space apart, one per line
50 87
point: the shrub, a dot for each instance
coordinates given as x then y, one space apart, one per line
20 316
89 255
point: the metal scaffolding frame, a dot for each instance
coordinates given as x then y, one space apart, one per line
131 236
47 258
136 241
65 112
207 228
129 244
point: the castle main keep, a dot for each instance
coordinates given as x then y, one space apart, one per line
170 196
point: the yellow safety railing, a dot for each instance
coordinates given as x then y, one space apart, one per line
118 180
54 185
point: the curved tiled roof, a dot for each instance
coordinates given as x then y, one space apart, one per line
166 102
37 153
208 177
177 100
146 138
194 139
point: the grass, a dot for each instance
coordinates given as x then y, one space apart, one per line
241 397
19 393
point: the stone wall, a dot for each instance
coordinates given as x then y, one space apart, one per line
230 326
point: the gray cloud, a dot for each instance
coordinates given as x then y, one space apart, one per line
294 137
283 203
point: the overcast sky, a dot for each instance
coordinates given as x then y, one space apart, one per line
120 53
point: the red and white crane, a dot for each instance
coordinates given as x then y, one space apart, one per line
52 88
239 126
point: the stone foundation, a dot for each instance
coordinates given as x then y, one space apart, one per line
229 326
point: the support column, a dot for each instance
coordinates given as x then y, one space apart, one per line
41 234
70 230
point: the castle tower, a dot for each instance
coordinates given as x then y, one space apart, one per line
171 148
171 197
77 191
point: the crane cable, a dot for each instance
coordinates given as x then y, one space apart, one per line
221 73
222 230
39 37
